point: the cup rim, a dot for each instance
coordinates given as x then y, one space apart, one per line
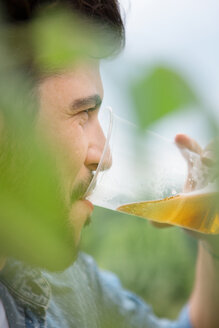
108 136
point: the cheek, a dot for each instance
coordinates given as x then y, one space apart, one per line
67 140
74 145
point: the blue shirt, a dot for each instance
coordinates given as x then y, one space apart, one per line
80 297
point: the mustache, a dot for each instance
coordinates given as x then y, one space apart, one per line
79 191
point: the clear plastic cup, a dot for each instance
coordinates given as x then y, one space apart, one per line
146 178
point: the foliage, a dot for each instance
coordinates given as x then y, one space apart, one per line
159 92
156 264
61 39
32 207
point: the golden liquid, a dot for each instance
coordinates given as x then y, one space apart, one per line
197 212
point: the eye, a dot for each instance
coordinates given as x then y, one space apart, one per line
86 111
89 110
86 114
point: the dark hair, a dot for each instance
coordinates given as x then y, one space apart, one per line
105 13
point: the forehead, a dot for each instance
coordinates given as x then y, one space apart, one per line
81 81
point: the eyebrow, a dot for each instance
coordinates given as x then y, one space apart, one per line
91 101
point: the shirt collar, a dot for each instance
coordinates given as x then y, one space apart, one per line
26 284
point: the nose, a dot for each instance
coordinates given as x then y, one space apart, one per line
97 142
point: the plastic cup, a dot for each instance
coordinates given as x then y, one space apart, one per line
146 178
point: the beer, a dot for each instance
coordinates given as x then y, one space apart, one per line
195 211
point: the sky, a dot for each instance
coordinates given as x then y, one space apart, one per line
181 34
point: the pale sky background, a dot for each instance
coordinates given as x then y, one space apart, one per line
182 34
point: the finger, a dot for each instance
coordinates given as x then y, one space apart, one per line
212 146
190 184
209 154
185 142
160 225
208 158
193 233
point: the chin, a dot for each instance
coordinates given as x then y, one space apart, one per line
63 265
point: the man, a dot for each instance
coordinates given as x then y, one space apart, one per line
82 296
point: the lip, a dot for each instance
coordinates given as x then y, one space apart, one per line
88 203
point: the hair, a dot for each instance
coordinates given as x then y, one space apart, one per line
105 13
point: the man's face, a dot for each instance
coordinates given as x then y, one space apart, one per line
69 106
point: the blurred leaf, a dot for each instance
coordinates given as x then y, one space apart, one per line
54 40
33 215
159 93
61 38
156 264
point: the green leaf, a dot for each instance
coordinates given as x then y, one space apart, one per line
33 215
60 39
158 93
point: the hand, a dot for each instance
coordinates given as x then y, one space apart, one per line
201 162
202 169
